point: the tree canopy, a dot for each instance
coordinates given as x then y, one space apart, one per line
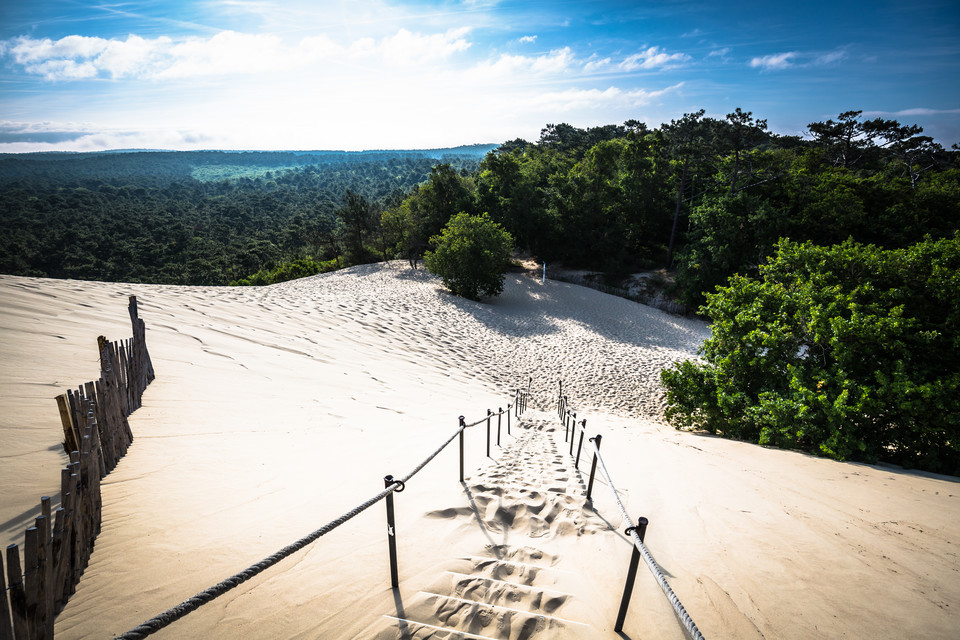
472 256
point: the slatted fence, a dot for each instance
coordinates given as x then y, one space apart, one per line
96 435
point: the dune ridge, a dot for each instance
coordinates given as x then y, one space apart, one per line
276 409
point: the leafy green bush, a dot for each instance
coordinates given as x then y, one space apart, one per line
472 255
848 351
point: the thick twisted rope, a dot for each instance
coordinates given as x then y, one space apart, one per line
688 624
189 605
173 614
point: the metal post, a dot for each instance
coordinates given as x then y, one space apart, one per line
583 428
463 426
516 406
566 426
499 419
508 419
641 530
593 467
573 432
489 413
391 533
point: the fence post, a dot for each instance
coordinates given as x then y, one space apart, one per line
6 628
573 431
489 413
508 419
391 531
463 426
583 429
593 467
641 530
18 595
566 426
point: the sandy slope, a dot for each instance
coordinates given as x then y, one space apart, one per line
277 409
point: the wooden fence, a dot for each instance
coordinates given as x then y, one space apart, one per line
96 435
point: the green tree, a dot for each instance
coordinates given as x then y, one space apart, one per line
472 255
849 351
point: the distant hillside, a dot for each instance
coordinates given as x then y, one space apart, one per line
163 167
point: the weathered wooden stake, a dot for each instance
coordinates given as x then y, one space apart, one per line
6 627
18 595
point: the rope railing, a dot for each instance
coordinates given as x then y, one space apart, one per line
391 485
636 533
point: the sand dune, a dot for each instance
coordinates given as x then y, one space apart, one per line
277 409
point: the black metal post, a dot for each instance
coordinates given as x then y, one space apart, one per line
583 428
499 418
463 426
593 467
573 432
391 534
489 413
641 530
508 419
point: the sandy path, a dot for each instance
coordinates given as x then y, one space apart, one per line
276 409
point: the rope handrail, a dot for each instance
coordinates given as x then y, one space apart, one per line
678 608
688 624
193 603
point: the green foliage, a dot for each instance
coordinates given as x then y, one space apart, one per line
288 271
472 255
849 351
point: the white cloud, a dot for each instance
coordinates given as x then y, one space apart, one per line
651 59
774 62
225 53
579 99
719 53
527 39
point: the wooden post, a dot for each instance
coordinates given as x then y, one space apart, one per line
499 418
18 596
489 413
593 467
391 535
641 530
583 428
6 627
508 419
31 579
69 430
463 426
44 569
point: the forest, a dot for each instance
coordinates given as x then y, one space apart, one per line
700 196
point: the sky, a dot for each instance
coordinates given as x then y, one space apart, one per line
400 74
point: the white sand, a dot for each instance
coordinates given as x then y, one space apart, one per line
277 409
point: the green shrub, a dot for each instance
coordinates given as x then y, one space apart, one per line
472 255
848 351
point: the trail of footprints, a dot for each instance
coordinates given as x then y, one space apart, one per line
511 589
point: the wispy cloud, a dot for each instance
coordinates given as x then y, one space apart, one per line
774 61
788 59
652 58
527 39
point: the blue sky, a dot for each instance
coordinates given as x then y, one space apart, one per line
366 74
